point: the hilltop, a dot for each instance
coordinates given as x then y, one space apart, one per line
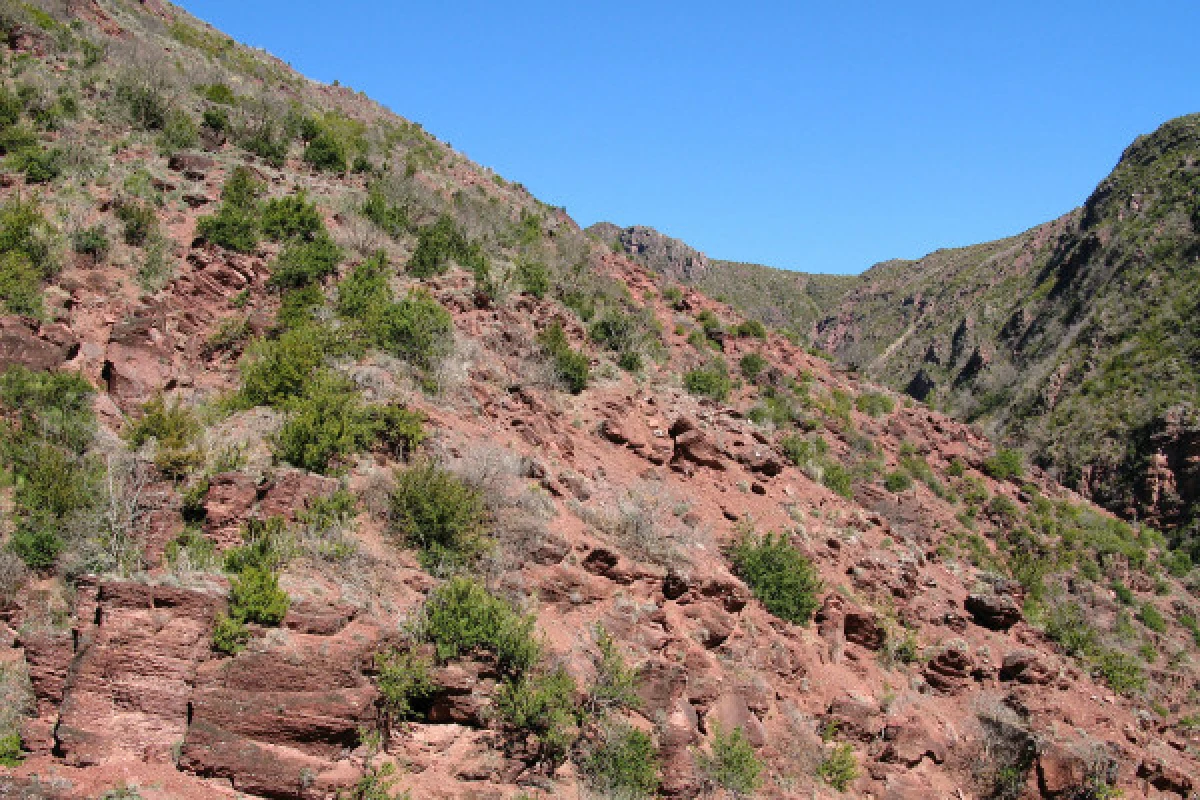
337 465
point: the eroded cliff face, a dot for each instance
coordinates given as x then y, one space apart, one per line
970 635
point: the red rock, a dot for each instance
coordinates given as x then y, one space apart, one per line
1026 666
1060 770
23 342
730 712
912 739
993 611
231 499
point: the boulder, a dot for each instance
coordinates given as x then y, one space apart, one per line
1026 666
995 612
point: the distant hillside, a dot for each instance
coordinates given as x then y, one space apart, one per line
790 301
1077 340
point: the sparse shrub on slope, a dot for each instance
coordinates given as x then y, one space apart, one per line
235 225
782 579
731 763
435 512
711 381
570 365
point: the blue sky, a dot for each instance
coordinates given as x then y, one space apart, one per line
816 136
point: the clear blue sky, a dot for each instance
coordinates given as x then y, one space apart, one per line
816 136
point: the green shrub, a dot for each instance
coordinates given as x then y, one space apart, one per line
91 241
267 546
216 119
230 635
544 704
571 366
326 153
275 370
25 231
615 686
418 329
20 285
1005 465
291 217
362 293
175 430
145 101
1121 671
673 296
898 481
732 763
324 425
138 222
38 164
623 763
782 579
1152 618
255 596
874 404
533 278
461 617
751 329
388 217
10 750
435 512
404 680
751 365
838 479
839 768
179 132
710 381
303 263
1124 595
218 93
398 430
235 225
440 243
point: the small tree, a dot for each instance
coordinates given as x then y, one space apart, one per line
732 763
783 580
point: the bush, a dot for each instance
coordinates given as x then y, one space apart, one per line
255 596
326 153
275 370
388 217
1005 465
623 763
711 381
25 231
305 263
174 429
324 425
751 365
440 243
291 217
838 479
417 329
362 293
898 481
615 686
751 329
839 768
782 579
179 132
398 430
230 635
571 366
10 750
138 222
435 512
732 763
404 680
1152 618
543 704
20 285
92 242
235 225
874 404
1121 671
38 164
461 617
533 278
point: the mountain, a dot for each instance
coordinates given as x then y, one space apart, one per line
783 299
1076 340
338 466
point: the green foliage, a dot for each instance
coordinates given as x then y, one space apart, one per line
1124 595
571 366
390 218
45 431
623 763
732 763
230 635
304 263
615 686
404 679
533 278
235 225
875 404
751 329
10 750
439 244
179 132
266 546
175 430
782 579
1005 465
1152 618
255 596
839 768
397 430
362 293
711 381
276 370
324 425
418 329
673 296
92 241
435 512
326 153
751 365
38 164
461 617
25 256
138 222
544 704
218 93
291 217
898 481
20 285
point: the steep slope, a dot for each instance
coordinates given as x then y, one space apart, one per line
786 300
1076 340
338 466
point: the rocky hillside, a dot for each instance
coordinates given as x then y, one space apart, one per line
1076 340
336 465
789 301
